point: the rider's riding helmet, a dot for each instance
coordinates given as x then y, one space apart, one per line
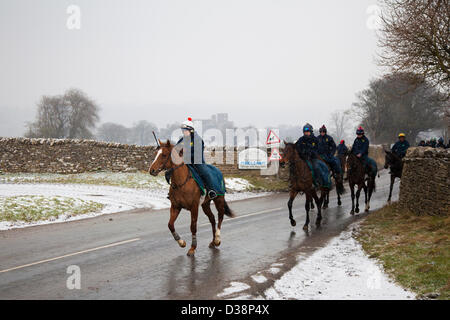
360 130
308 127
342 141
188 125
402 135
323 129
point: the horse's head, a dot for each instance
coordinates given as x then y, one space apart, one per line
288 153
165 158
391 159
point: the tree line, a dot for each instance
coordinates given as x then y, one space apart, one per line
414 94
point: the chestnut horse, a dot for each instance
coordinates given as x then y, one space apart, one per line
301 180
184 193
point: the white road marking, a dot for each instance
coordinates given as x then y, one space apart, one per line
245 215
71 254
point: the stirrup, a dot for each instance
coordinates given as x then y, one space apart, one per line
212 194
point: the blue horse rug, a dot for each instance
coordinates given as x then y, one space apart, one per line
321 178
212 174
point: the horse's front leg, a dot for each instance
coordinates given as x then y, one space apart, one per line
358 193
352 191
307 206
174 212
292 195
391 187
194 217
319 208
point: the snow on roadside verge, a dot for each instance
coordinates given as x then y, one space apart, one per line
341 270
115 199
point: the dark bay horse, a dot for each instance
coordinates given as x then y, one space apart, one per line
357 176
301 181
395 163
184 193
339 182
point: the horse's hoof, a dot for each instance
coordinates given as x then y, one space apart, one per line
389 202
293 223
191 252
305 227
339 202
181 243
318 222
211 244
357 210
217 242
352 212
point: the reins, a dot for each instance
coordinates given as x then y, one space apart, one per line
175 186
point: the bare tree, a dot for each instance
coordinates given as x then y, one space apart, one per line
113 132
142 133
83 114
415 40
72 115
340 120
396 104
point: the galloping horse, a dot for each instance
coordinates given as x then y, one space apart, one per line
395 163
301 180
357 176
184 193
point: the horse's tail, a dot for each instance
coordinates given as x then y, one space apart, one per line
228 210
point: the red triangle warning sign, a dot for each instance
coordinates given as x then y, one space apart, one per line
275 155
272 138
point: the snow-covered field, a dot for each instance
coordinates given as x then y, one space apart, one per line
341 270
150 192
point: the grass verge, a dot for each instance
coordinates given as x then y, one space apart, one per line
414 249
36 208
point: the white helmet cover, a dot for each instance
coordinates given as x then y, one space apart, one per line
188 124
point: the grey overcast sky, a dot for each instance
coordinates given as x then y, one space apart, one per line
264 62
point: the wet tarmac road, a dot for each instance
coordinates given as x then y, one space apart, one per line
133 255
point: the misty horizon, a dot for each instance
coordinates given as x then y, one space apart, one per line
264 63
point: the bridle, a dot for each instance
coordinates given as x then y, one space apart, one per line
170 171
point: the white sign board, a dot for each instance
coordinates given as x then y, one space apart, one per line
252 158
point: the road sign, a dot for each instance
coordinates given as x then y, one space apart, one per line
275 155
252 158
272 138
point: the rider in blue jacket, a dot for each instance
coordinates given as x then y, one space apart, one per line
401 146
307 148
327 149
361 149
193 149
342 149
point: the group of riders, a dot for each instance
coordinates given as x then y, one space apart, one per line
320 152
433 143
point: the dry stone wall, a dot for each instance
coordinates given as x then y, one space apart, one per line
76 156
425 183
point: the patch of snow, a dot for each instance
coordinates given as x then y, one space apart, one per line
259 278
235 287
115 199
237 184
274 270
341 270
